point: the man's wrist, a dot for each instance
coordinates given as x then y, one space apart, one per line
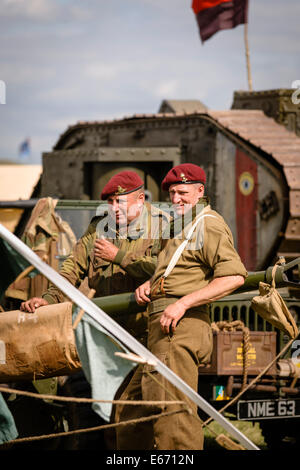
184 302
119 256
48 299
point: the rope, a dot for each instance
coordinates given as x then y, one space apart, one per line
221 439
237 325
87 400
95 428
231 402
24 273
90 295
92 400
188 409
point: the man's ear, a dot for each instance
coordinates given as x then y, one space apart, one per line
201 190
141 198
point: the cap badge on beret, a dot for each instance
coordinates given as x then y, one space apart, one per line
183 178
121 190
183 174
122 183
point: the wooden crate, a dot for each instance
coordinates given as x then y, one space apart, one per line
227 355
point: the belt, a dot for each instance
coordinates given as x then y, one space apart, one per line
158 305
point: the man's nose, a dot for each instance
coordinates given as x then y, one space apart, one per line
175 199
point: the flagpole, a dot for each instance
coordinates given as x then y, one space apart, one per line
247 56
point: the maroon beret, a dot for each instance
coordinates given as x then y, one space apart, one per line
123 183
183 174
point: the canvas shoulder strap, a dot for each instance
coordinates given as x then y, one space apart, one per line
182 246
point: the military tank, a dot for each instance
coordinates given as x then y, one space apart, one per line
251 155
251 160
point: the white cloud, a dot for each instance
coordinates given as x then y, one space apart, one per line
17 74
30 9
80 12
102 71
61 94
166 89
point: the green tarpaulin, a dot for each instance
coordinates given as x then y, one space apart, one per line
11 265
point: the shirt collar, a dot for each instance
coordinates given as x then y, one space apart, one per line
177 224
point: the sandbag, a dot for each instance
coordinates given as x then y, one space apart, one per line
37 345
270 305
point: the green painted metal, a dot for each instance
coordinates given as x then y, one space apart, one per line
78 204
284 277
120 304
123 303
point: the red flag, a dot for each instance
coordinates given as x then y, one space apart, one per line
215 15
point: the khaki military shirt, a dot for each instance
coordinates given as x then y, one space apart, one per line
134 263
209 254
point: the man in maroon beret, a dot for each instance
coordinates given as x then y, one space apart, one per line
116 252
186 173
197 265
121 184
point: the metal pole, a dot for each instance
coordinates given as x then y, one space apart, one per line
247 56
122 335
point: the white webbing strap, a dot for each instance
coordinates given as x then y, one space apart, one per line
182 246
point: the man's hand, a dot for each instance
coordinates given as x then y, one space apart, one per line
216 289
105 249
171 316
31 304
142 293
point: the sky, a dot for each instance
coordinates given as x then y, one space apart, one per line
64 61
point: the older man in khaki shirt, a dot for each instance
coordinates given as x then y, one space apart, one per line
178 295
117 252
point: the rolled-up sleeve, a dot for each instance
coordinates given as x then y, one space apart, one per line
219 252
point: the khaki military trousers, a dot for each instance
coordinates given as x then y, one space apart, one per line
183 351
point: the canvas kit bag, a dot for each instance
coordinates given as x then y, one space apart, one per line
270 305
37 345
48 236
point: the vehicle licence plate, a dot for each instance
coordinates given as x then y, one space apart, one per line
266 409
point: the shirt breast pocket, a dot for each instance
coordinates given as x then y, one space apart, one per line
98 263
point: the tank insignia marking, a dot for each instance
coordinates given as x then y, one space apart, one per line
220 393
246 183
